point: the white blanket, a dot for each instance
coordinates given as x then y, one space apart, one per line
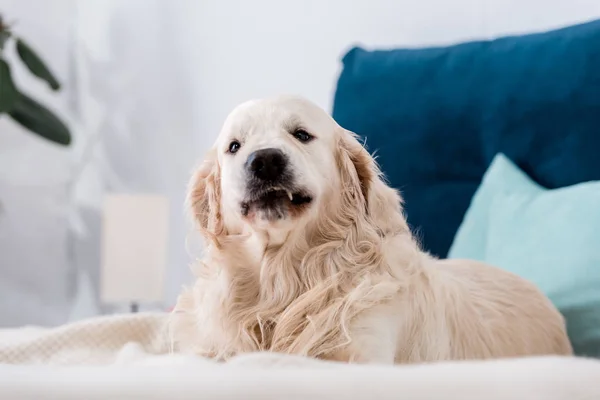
125 357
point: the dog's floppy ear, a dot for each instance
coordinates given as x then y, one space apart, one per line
204 197
382 204
357 167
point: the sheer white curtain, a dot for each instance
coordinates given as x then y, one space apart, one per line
37 279
136 102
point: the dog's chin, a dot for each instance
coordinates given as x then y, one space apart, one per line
275 205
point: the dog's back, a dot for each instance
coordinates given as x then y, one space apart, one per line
486 312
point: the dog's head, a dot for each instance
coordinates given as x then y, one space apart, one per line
285 172
281 163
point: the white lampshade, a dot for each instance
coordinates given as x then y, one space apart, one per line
134 248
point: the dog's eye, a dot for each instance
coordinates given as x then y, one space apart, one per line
303 136
234 146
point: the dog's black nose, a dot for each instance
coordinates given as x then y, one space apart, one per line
266 164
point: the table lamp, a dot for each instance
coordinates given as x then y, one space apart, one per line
134 249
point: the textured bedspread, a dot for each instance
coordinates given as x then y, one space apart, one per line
127 357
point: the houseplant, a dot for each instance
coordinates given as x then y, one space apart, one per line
24 110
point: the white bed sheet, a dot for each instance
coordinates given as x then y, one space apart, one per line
117 358
178 378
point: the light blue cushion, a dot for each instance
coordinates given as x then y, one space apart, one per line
549 237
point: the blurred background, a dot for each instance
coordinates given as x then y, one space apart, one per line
146 85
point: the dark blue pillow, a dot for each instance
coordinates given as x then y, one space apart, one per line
436 117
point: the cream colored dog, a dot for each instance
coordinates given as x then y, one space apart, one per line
308 253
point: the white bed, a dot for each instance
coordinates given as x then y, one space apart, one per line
123 357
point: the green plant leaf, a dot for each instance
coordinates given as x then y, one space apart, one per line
38 119
35 64
8 91
4 36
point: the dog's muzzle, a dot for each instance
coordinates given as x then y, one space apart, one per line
270 188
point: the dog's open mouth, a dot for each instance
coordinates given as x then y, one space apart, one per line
276 202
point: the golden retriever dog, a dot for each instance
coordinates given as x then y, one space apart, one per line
308 252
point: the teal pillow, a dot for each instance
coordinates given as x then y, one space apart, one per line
437 116
549 237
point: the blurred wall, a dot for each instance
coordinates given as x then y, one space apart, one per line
243 49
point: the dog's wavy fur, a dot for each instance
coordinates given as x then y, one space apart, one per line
352 285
